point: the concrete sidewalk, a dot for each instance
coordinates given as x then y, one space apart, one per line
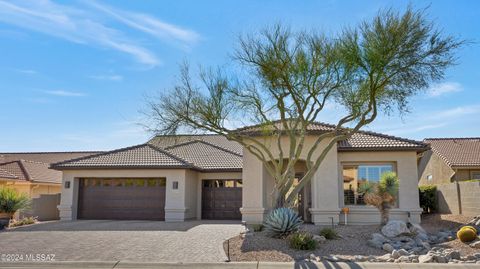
233 265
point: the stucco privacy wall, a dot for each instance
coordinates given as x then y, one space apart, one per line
406 168
258 184
462 199
175 208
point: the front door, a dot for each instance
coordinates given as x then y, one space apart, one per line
304 200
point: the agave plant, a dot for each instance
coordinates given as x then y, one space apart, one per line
281 222
11 201
382 195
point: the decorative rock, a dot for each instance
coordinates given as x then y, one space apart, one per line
398 253
380 238
319 238
359 258
454 254
375 244
312 257
475 244
425 258
384 258
416 229
395 228
403 259
388 248
440 259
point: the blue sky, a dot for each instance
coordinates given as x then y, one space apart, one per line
73 74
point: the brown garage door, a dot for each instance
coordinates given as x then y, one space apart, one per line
221 199
123 199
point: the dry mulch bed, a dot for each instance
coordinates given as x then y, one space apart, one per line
259 247
262 248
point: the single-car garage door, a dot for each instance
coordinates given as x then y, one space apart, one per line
221 199
122 199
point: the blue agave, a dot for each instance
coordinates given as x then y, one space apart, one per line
281 222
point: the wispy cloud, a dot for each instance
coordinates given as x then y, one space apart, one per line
457 112
444 88
108 77
149 24
26 71
65 93
73 24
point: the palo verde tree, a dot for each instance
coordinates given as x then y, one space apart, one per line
281 80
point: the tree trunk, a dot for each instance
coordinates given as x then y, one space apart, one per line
385 212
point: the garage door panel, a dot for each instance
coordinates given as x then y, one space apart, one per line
221 199
132 199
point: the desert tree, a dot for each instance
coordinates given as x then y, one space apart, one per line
281 80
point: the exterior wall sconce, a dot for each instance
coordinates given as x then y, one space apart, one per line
175 185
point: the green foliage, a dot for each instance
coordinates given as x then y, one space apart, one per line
284 76
329 233
257 227
302 240
24 221
281 222
428 198
388 183
467 234
11 201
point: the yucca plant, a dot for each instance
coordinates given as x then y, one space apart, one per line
281 222
11 201
382 195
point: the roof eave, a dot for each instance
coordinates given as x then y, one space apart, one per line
364 149
109 167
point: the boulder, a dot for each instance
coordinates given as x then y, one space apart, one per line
416 229
398 253
427 258
440 258
319 238
374 244
384 258
395 228
380 238
359 258
475 244
388 248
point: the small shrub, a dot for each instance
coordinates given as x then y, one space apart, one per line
302 241
281 222
428 198
257 227
11 201
329 233
24 221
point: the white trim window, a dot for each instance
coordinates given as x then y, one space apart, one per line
355 175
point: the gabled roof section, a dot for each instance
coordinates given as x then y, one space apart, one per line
207 156
360 141
165 141
457 152
44 157
6 174
140 156
24 170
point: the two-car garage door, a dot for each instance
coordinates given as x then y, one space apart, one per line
125 199
144 199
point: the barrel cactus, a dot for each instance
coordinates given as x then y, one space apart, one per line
467 234
281 222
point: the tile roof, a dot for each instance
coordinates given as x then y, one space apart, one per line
166 141
460 152
25 170
6 174
206 156
140 156
44 157
363 140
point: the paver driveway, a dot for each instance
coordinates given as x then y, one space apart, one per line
139 241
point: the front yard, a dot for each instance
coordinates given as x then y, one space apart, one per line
353 244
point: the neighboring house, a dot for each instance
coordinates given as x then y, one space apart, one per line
449 159
175 178
29 172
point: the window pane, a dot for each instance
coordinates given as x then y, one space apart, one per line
151 182
229 183
476 175
107 182
129 183
239 183
355 176
139 182
162 182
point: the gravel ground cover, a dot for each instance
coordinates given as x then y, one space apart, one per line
258 247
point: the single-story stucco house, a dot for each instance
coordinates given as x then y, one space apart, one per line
176 178
449 160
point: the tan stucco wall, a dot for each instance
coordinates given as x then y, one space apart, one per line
258 184
406 168
33 190
431 164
